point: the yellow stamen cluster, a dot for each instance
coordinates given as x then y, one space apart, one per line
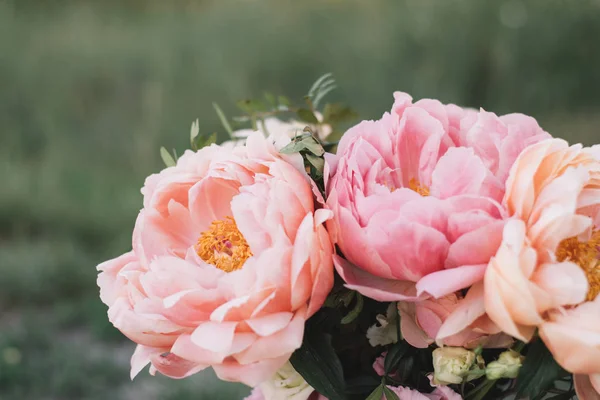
586 255
223 245
414 184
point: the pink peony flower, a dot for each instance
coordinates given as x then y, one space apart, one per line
414 193
549 254
229 259
420 323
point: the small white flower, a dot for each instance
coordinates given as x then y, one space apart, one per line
385 332
286 384
507 366
280 131
451 365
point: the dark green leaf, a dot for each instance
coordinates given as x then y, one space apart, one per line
319 365
313 146
389 395
223 120
317 162
167 157
394 355
377 394
358 307
563 396
362 385
538 372
306 115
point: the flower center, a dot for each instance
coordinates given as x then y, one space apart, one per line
223 245
587 256
415 185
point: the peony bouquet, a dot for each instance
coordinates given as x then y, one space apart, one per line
438 252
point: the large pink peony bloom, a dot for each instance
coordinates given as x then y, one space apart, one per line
229 259
416 195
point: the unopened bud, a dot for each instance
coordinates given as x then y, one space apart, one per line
451 365
507 366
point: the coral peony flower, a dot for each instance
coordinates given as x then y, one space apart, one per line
414 193
229 259
278 129
420 323
573 338
549 254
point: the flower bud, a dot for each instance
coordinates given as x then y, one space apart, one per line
287 383
507 366
451 365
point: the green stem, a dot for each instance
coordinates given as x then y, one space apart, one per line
481 390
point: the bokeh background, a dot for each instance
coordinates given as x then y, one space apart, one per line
89 91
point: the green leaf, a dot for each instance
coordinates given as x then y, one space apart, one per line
358 307
203 141
362 385
376 394
318 83
167 157
312 145
563 396
319 365
223 119
323 91
394 355
538 372
389 395
292 147
317 162
306 115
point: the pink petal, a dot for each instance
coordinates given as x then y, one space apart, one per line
445 282
270 324
468 310
214 336
376 288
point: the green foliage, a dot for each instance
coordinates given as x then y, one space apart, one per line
539 371
318 363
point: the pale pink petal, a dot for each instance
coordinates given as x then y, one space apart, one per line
270 324
214 336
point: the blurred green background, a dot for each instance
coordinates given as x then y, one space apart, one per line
89 91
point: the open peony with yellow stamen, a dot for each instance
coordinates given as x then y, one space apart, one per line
230 257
